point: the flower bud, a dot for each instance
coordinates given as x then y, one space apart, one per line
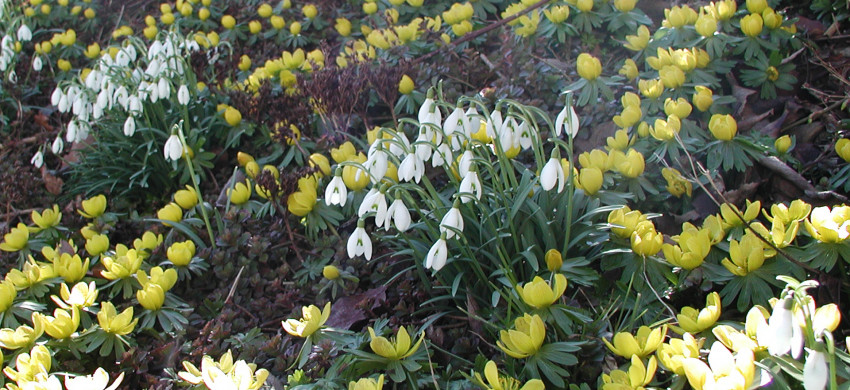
589 67
723 127
752 25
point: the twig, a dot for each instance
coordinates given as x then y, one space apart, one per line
813 115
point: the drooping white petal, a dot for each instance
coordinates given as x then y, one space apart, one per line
437 255
336 192
815 371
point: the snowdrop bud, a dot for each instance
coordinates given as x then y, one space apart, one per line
71 132
56 96
465 163
129 126
57 145
780 327
37 159
173 148
163 87
815 371
13 77
37 64
183 95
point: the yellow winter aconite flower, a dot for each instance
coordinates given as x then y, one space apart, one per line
829 226
756 6
672 76
639 41
344 152
745 256
240 193
677 185
539 294
32 272
71 268
181 253
330 272
624 221
706 25
703 98
588 66
28 365
23 335
651 88
367 383
163 278
782 144
498 382
311 320
112 322
63 324
680 107
645 342
8 293
639 375
405 86
672 354
82 295
752 25
16 239
525 339
303 201
723 127
151 297
694 321
97 244
397 349
692 249
730 214
629 69
186 198
171 212
556 14
48 218
632 164
645 240
553 259
121 266
590 180
228 21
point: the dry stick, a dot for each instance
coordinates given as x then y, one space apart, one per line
813 115
431 365
233 290
477 33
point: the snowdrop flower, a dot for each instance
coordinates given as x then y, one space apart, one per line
374 201
359 242
37 64
411 168
57 145
97 381
426 140
13 77
24 33
815 371
429 112
183 95
129 126
494 124
56 96
336 192
470 185
523 133
71 131
173 148
465 163
437 255
457 127
552 173
401 147
121 96
442 155
567 120
453 220
134 104
399 214
474 120
164 88
377 164
37 159
780 327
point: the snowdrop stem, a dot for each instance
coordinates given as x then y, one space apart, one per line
830 350
195 183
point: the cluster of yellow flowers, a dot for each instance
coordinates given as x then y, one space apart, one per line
224 373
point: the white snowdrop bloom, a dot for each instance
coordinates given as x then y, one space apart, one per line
399 214
55 96
164 88
153 92
567 120
93 80
57 145
524 133
24 33
376 164
374 201
121 96
359 243
183 95
154 49
134 105
552 174
97 111
129 126
815 371
425 142
143 90
400 150
83 129
336 192
465 162
494 124
429 112
37 159
411 168
64 104
37 64
780 327
453 220
122 59
456 121
152 70
173 148
97 381
130 50
442 155
13 77
102 99
71 131
437 255
79 104
470 184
